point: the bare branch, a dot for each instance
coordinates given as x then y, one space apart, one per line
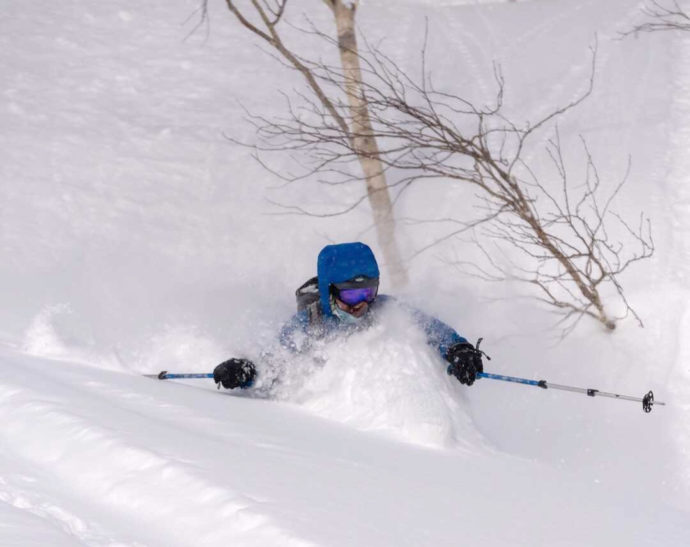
661 17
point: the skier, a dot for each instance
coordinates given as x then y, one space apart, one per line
342 298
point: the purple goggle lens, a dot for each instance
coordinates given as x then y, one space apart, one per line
352 297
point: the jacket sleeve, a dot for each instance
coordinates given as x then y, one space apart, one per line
293 336
438 335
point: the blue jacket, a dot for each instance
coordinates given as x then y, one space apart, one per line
339 263
438 334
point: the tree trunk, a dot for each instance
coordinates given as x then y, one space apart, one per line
364 143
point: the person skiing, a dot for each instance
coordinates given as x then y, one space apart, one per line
344 297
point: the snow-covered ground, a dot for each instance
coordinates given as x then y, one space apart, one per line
135 237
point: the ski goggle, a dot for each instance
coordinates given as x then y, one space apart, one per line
354 292
352 297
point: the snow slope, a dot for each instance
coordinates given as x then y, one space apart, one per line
134 237
119 459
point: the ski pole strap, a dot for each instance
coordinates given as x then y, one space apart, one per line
647 401
165 375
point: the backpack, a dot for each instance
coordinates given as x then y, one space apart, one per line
309 299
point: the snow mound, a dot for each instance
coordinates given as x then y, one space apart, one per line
384 379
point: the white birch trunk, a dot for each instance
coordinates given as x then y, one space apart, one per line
364 142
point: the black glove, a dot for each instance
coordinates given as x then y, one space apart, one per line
465 362
235 373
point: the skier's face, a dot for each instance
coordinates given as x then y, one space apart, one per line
354 296
358 310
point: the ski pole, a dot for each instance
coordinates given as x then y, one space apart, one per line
165 375
647 401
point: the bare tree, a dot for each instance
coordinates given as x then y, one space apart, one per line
352 122
566 235
425 133
662 16
562 234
